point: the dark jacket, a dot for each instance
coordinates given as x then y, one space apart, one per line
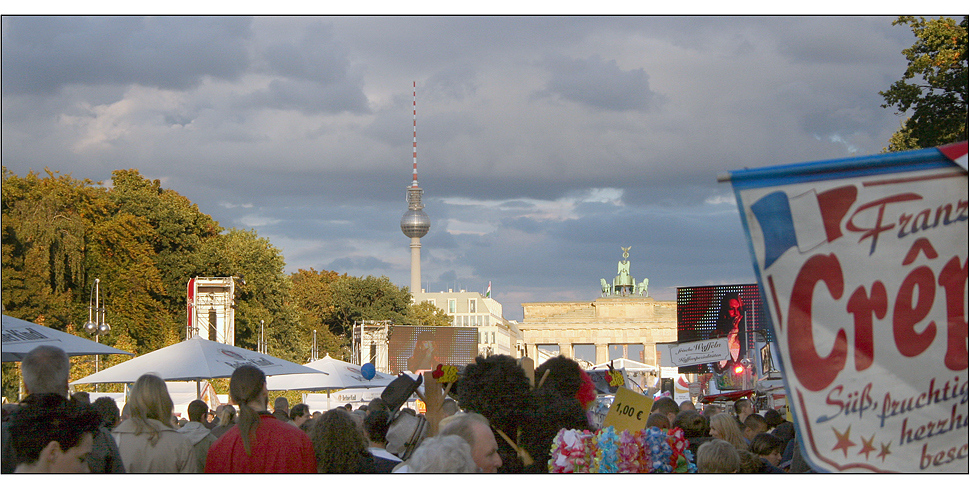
104 457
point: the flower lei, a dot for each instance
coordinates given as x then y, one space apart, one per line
570 452
606 451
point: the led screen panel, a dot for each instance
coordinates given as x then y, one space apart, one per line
713 311
414 348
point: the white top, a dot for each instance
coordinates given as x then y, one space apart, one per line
382 453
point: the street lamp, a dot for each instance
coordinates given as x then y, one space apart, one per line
96 324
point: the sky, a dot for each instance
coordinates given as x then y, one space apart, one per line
544 143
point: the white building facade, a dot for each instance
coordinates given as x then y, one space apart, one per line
496 335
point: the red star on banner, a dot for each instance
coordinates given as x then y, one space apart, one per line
844 443
884 451
867 446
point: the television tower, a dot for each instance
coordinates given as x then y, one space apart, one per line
415 222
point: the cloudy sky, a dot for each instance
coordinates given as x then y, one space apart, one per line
544 143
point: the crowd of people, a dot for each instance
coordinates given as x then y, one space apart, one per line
498 419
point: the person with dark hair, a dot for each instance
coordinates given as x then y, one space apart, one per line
148 441
730 323
200 436
710 410
695 427
376 424
666 406
754 424
779 426
545 413
108 409
568 378
377 404
83 397
658 420
773 418
53 436
45 371
299 415
8 410
496 387
258 443
769 448
339 445
742 409
281 409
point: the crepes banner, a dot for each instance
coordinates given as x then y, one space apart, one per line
863 266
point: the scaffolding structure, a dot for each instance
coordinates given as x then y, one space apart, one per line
210 311
370 344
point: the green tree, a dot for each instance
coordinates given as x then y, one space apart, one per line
263 297
312 295
366 298
933 89
426 314
44 241
122 258
143 243
179 230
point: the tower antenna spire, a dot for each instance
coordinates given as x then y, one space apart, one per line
415 222
414 106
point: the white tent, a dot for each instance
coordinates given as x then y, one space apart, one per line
193 359
329 374
182 393
629 365
19 337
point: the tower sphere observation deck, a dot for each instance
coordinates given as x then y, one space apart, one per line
415 223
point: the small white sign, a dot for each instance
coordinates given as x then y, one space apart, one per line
694 352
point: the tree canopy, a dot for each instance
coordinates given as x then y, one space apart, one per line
933 90
144 242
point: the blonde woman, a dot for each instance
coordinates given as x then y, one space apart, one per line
147 440
227 419
725 427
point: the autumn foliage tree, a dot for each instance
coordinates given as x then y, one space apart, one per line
144 242
933 90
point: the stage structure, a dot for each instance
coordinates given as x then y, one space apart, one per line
370 340
210 309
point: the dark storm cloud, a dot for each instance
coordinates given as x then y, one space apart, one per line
599 83
312 74
316 56
42 54
544 143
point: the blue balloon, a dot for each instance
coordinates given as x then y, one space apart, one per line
368 371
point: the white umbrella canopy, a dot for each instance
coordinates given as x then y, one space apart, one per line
193 359
330 374
629 365
19 337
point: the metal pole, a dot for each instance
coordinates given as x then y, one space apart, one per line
314 345
262 337
99 315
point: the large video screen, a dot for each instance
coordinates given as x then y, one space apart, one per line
731 311
414 348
